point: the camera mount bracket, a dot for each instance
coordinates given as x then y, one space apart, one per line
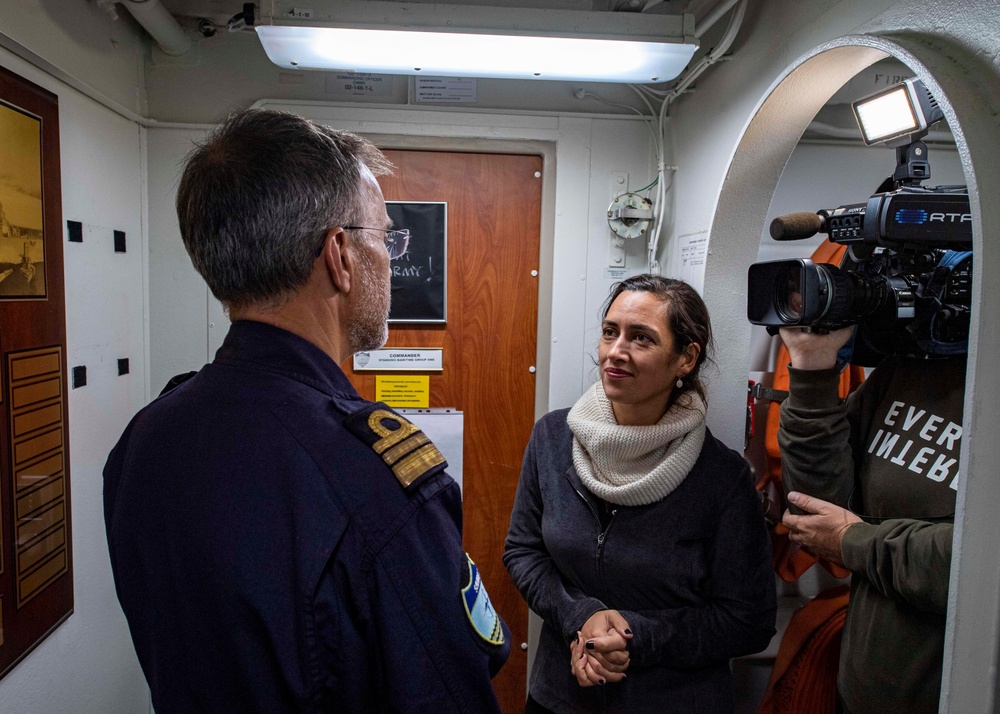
912 165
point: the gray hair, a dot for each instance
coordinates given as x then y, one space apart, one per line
259 195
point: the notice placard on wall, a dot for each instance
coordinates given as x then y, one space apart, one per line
445 90
420 277
396 391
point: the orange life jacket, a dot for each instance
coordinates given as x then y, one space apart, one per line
804 677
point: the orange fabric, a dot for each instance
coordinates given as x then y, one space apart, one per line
804 677
789 560
829 252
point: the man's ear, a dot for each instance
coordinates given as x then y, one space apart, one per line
337 259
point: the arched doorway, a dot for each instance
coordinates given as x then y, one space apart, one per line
963 87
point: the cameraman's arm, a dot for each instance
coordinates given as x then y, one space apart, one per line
815 433
903 559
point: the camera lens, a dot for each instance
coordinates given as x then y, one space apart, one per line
788 294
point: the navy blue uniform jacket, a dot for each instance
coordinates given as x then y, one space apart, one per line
269 560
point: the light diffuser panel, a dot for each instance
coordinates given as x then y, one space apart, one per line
456 54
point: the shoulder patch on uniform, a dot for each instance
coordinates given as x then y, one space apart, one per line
401 444
479 609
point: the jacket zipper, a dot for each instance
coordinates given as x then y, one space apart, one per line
601 536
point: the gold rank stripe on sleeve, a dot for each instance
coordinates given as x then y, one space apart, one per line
410 468
405 449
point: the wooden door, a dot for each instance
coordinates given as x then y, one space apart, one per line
494 214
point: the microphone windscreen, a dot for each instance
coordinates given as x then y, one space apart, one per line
795 226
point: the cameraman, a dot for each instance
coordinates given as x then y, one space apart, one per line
875 477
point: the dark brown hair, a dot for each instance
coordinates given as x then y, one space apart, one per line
687 318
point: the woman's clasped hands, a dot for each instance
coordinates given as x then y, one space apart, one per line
599 654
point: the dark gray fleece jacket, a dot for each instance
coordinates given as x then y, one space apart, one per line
690 573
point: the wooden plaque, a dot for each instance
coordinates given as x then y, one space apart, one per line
36 573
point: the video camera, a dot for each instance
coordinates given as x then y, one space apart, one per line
906 280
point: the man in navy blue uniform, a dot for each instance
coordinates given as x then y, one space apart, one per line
278 543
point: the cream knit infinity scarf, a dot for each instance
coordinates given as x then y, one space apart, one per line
635 465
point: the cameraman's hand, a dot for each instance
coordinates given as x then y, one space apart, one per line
821 528
809 350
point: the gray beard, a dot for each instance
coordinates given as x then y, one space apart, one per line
368 337
369 327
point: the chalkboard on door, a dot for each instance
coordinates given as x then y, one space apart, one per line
420 276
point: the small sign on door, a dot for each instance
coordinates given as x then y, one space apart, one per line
413 392
399 359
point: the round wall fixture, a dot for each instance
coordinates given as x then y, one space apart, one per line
629 215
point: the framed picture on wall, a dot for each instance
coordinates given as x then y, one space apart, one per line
36 539
420 276
22 250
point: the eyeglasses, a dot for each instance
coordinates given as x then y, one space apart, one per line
396 239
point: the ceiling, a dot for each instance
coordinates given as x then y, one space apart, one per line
835 121
210 17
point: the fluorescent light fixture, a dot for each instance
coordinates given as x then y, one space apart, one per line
902 112
454 41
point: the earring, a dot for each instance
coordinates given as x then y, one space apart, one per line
680 383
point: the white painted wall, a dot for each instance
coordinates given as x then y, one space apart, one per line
178 297
88 664
82 44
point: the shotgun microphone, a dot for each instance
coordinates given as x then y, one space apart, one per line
797 226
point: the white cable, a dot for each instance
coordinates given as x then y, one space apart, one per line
580 94
666 97
652 91
657 139
659 208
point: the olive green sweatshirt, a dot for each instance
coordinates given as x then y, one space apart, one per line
889 453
